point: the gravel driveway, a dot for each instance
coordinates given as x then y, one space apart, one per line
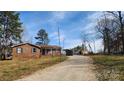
76 68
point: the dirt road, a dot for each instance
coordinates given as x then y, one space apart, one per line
76 68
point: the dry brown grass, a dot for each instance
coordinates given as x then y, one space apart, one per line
109 67
16 69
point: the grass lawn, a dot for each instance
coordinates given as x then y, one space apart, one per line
109 67
16 69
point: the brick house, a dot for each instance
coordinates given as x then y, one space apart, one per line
27 50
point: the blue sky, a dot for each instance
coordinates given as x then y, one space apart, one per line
71 25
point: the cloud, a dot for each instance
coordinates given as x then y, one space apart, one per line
57 17
91 21
25 35
94 15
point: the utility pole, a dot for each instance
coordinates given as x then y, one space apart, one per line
31 40
59 42
59 36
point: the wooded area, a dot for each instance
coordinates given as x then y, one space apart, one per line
111 29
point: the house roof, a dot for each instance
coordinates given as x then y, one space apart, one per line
50 46
25 44
39 46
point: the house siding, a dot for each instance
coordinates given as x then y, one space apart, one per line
26 52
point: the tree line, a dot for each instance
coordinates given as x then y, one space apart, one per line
111 30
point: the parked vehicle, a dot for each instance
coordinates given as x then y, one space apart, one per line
68 52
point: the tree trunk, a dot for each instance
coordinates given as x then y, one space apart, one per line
3 53
108 43
104 44
122 33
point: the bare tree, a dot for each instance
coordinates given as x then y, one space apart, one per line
119 20
104 27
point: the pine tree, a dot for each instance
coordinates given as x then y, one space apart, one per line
10 30
42 37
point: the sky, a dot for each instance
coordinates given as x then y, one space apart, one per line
71 26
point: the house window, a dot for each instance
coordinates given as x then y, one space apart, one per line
34 50
19 50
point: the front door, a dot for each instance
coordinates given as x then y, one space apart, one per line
43 51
